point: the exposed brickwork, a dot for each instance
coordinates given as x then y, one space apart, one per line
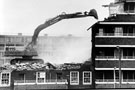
5 88
35 87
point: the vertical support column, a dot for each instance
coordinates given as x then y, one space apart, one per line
103 77
114 77
93 56
36 77
119 54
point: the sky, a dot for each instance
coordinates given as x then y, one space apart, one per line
23 16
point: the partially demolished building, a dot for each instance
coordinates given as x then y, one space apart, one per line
46 76
33 73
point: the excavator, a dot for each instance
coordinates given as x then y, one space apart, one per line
30 50
56 19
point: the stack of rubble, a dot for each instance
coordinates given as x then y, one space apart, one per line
26 66
69 66
39 66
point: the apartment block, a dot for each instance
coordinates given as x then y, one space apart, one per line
113 47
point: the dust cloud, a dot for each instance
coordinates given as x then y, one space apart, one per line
64 49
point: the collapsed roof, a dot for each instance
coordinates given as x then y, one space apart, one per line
41 66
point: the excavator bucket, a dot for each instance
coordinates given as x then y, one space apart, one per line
93 12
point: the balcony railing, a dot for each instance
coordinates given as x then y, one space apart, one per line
106 57
48 81
102 81
129 11
25 81
129 80
115 57
56 80
128 57
116 34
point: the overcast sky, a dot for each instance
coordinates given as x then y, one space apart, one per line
23 16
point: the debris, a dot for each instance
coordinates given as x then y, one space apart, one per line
40 66
69 66
27 66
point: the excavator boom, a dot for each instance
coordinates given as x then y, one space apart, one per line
30 51
57 19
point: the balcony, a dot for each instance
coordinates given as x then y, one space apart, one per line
113 81
115 58
115 34
105 57
129 11
48 81
107 81
128 80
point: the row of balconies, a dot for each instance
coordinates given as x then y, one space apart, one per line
115 57
111 81
64 81
115 34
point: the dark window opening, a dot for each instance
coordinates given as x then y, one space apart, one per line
22 76
129 7
59 75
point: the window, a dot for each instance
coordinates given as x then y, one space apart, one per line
128 76
41 77
5 79
128 52
10 48
129 7
2 53
118 31
59 76
74 77
105 76
101 32
8 39
87 77
22 76
1 48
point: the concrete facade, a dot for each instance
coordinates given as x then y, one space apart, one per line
113 47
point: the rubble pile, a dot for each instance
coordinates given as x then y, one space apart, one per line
69 66
26 66
40 66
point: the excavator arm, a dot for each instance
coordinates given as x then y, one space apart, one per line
29 50
56 19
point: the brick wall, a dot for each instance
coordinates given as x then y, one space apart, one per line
43 86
